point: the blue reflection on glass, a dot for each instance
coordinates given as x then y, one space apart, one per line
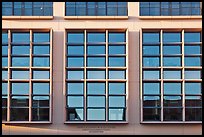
4 88
39 74
171 37
116 62
172 88
192 74
192 37
95 74
40 101
20 49
41 61
96 88
151 88
20 61
116 37
116 114
21 37
4 74
95 114
151 37
151 50
193 88
75 101
151 61
168 50
172 74
96 37
96 62
41 37
75 88
116 88
20 74
4 61
116 74
96 101
116 101
20 88
75 62
94 50
192 61
151 74
4 50
75 74
192 49
41 88
41 49
75 50
75 37
116 49
4 37
172 61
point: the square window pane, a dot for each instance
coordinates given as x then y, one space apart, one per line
169 50
193 101
20 88
193 88
116 62
192 61
116 74
75 114
75 74
75 37
151 50
151 88
20 50
19 114
192 37
41 49
4 61
20 61
193 114
41 88
151 74
75 50
172 114
151 61
41 61
192 74
117 101
20 74
116 37
94 50
116 49
75 88
4 50
96 114
41 37
4 88
40 114
172 88
172 101
172 61
40 101
151 101
41 74
151 37
21 37
117 114
151 114
192 49
172 74
20 101
95 88
96 74
75 62
95 37
96 101
75 101
116 88
96 62
171 37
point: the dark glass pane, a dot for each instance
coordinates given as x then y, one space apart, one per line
20 101
96 114
193 101
116 62
20 88
75 88
169 50
151 101
151 74
18 8
172 101
75 101
38 8
20 74
28 8
75 114
41 88
193 88
75 38
4 50
4 88
151 37
151 88
117 101
116 74
101 11
192 49
192 61
4 101
40 114
21 37
41 37
4 74
96 101
19 114
117 114
40 101
111 8
41 74
192 74
94 50
116 37
172 114
70 9
20 49
171 37
95 74
116 49
95 37
192 37
4 61
116 88
172 74
91 8
154 11
172 88
193 114
80 8
75 50
75 62
144 11
151 50
75 74
151 114
95 88
6 8
172 61
4 114
20 61
96 62
151 61
122 9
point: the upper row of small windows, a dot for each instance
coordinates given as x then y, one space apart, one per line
101 8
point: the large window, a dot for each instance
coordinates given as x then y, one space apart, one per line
26 81
171 76
96 9
170 8
27 8
96 78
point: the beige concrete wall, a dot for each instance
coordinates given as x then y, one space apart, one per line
134 24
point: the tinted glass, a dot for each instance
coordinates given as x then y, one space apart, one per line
168 50
116 62
151 61
75 101
40 101
192 37
116 74
192 49
95 88
21 37
75 88
42 49
94 50
20 49
20 61
96 61
96 37
19 114
41 88
151 101
192 61
116 88
192 74
192 88
151 74
75 62
19 101
151 37
151 114
193 114
171 37
171 74
172 114
75 75
41 37
95 114
151 50
18 74
4 37
171 61
95 74
75 37
75 50
116 49
40 114
172 101
39 74
193 101
151 88
96 101
172 88
20 88
41 61
116 37
116 101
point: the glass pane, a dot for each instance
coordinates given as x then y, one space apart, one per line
116 114
192 61
20 61
75 88
151 61
94 50
19 114
4 74
4 101
116 88
70 9
151 101
192 49
151 50
20 37
192 74
101 9
91 74
4 50
74 114
172 114
75 74
41 61
95 37
169 50
96 114
117 101
40 114
41 88
193 88
172 101
40 101
172 74
192 37
4 37
75 37
75 101
95 88
95 61
20 88
80 8
151 37
193 114
41 74
75 62
193 101
172 88
4 114
4 88
151 114
20 101
151 74
91 7
116 49
151 88
41 37
171 61
75 50
96 101
116 74
171 37
116 62
42 49
4 61
116 37
20 74
111 9
122 9
20 49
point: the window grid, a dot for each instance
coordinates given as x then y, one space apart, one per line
30 80
162 80
86 80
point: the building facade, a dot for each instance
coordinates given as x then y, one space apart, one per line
102 68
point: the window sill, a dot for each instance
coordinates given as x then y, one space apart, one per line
171 122
169 17
26 122
96 122
95 17
28 17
